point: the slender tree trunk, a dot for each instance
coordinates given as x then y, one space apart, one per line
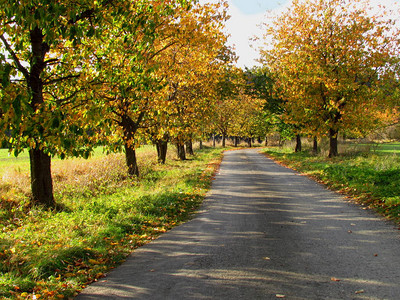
180 147
249 142
298 143
266 141
333 143
189 147
129 128
162 147
201 144
223 140
40 162
315 145
236 141
130 155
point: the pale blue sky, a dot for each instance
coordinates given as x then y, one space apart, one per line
251 7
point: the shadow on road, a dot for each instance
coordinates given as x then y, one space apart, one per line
264 232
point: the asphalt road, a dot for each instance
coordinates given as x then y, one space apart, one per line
264 232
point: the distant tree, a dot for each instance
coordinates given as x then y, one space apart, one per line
332 60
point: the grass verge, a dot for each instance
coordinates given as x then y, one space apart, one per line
104 217
372 179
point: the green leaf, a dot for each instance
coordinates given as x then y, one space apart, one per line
17 106
5 80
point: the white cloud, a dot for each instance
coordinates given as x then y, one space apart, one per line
243 27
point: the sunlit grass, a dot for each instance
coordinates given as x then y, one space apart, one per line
371 177
103 216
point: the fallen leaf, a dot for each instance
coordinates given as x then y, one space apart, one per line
93 261
335 279
280 296
360 292
267 258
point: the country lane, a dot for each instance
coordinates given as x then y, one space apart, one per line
264 232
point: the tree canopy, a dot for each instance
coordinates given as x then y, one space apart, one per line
333 61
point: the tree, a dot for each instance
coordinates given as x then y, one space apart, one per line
332 59
40 66
189 68
127 67
260 85
227 103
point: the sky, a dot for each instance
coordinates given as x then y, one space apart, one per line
246 17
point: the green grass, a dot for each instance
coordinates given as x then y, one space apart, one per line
370 177
105 216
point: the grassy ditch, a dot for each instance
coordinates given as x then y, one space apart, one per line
372 178
104 216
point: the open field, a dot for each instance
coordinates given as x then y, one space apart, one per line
103 215
368 173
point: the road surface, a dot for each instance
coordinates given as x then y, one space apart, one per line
264 232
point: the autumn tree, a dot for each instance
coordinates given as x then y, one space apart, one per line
40 67
227 102
250 119
193 75
260 84
136 59
331 59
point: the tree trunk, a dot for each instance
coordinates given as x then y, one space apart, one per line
162 147
249 142
201 144
333 143
266 141
189 147
41 181
129 128
213 139
236 141
298 143
180 147
131 162
40 162
223 140
315 145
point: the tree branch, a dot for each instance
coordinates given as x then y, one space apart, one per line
17 62
60 79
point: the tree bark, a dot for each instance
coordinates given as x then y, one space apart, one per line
315 145
223 140
266 141
249 142
333 142
41 181
131 162
236 141
298 143
189 147
40 162
180 147
162 147
129 128
201 144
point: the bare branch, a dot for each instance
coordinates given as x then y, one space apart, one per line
60 79
14 56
